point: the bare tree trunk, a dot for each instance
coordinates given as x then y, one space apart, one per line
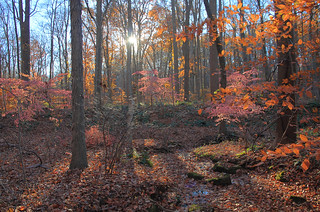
6 33
213 58
175 47
286 124
66 58
25 38
129 52
109 77
186 51
79 151
243 36
222 62
98 61
264 48
16 34
52 31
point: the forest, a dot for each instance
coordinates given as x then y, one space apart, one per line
154 105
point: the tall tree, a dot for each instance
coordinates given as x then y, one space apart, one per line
242 35
98 59
52 15
218 44
186 51
129 51
267 72
4 17
15 12
286 124
24 18
213 59
175 46
79 151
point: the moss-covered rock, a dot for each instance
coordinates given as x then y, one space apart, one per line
223 180
219 168
195 176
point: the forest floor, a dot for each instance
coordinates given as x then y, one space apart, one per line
170 144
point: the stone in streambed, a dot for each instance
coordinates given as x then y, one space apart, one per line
223 180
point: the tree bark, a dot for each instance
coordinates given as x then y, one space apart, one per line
16 35
175 47
218 43
186 51
213 58
25 38
98 59
52 31
243 36
79 151
129 52
222 62
108 64
266 69
286 124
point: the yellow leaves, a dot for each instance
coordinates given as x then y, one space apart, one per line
239 5
283 48
246 105
303 138
221 54
160 31
200 111
285 17
234 7
296 151
287 104
271 103
254 17
305 165
181 74
300 42
281 6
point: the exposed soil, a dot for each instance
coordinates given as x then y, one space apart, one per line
169 143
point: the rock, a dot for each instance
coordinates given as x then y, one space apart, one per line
195 176
224 180
219 168
233 169
298 200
